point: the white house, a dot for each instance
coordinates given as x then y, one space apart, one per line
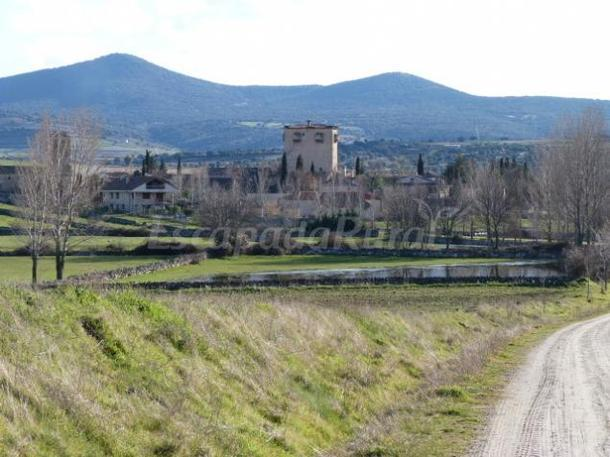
138 194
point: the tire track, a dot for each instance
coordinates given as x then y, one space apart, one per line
558 403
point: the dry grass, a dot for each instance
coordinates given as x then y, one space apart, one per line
335 371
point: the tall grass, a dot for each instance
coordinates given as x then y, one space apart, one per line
335 371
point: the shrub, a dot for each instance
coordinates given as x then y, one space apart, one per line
97 329
450 392
235 241
162 247
348 222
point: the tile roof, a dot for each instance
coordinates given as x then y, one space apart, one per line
132 182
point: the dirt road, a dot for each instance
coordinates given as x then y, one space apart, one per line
558 403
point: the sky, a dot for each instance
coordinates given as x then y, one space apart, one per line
484 47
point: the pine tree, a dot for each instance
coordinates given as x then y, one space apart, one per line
283 169
179 166
420 166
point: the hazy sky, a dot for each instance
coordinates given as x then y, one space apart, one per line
487 47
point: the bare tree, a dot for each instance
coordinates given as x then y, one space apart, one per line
225 210
69 164
602 255
581 160
545 191
262 181
402 210
491 201
33 197
452 208
198 184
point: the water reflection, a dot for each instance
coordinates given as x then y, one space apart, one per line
488 272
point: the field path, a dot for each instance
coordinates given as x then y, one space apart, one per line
558 403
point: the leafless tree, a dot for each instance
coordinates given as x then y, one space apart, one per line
602 255
33 197
262 181
452 208
225 210
69 165
545 191
57 185
581 172
490 201
199 184
405 209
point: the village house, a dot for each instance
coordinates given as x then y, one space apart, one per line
138 194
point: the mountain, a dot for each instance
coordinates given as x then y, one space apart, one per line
138 99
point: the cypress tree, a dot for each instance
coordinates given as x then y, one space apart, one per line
358 165
312 169
420 165
283 169
299 163
146 163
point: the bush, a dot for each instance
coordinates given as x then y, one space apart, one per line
165 248
457 239
231 240
347 222
273 242
97 329
218 252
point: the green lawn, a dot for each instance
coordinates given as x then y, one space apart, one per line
19 268
251 264
151 221
80 220
79 243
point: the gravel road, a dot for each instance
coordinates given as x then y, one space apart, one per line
558 403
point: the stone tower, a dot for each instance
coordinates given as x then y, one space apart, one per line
315 143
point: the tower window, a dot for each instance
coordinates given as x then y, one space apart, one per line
319 137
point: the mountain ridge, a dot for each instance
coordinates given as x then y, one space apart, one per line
139 99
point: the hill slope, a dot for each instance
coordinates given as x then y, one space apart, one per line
272 372
142 100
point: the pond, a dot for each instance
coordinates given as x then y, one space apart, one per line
518 271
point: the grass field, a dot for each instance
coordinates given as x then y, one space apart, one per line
258 264
344 371
8 221
83 243
19 268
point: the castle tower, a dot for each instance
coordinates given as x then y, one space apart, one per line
315 143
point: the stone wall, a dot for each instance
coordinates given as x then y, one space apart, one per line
121 273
